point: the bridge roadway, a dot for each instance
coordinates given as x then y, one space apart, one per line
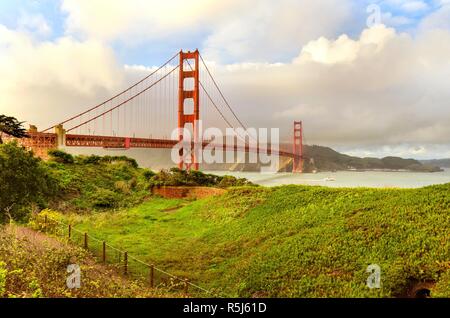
52 140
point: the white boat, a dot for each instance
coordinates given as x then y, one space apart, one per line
329 179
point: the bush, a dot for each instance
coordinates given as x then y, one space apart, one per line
94 159
229 181
122 186
148 174
104 198
113 159
178 177
24 181
60 156
85 160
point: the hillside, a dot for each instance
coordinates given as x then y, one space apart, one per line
87 183
291 241
33 265
443 163
326 159
319 158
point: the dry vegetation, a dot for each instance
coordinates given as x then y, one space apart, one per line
33 265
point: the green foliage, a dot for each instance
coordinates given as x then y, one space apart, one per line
85 160
177 177
24 180
3 275
230 181
60 156
291 241
117 159
82 183
94 182
11 126
49 226
148 174
104 198
95 160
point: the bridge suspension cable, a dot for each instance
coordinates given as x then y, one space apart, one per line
208 95
115 96
126 101
220 92
211 99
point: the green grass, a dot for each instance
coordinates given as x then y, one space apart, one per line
290 241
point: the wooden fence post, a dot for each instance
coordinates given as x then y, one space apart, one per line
152 276
125 260
104 252
85 240
70 231
186 286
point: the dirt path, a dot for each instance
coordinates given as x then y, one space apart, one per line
39 240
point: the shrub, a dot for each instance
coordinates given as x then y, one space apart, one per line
25 181
104 198
148 174
84 160
113 159
60 156
178 177
3 274
122 186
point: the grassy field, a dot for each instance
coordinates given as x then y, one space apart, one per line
290 241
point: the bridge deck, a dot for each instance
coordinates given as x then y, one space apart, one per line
49 141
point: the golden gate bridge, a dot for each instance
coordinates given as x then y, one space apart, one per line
178 94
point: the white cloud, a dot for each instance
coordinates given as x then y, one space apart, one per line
34 23
43 82
252 30
389 19
271 30
410 6
414 6
384 88
137 20
439 19
345 49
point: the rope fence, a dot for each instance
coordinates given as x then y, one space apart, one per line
122 260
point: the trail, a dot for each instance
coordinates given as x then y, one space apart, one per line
37 239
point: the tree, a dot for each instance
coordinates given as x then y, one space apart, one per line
11 126
24 180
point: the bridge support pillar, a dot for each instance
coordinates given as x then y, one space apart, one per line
297 166
60 136
185 115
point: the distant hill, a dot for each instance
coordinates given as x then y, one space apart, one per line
319 158
326 159
443 163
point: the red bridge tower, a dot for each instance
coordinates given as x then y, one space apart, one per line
298 147
186 116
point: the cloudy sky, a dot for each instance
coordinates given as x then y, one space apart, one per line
366 86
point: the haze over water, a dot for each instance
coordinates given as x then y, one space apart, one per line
371 179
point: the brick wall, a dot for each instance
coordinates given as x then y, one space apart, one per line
187 192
